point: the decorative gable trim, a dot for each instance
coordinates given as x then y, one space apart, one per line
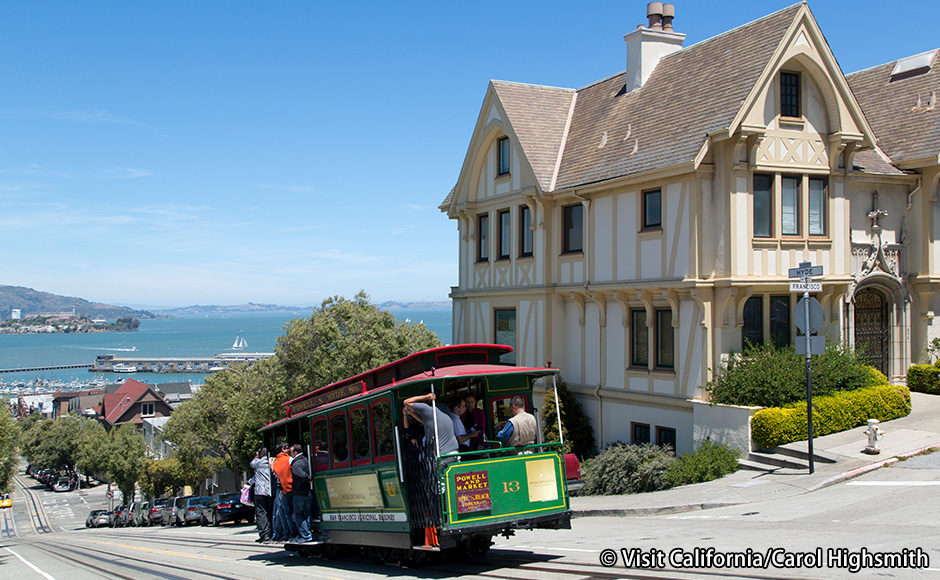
805 42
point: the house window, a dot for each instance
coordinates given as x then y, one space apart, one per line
573 228
817 207
652 209
505 324
502 149
666 436
789 94
780 320
665 337
792 221
639 339
483 239
790 206
763 205
505 235
146 409
640 433
753 331
525 231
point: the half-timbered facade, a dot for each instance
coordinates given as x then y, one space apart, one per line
637 230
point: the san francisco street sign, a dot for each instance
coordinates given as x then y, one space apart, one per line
805 271
805 286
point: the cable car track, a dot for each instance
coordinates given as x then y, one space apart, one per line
37 518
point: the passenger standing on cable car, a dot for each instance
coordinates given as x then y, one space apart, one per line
419 408
263 500
300 490
284 528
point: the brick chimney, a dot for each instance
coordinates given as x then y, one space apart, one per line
647 44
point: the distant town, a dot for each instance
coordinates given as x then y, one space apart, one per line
63 322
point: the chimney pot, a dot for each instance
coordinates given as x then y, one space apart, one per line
654 11
669 12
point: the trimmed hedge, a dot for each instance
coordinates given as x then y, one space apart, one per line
833 413
924 379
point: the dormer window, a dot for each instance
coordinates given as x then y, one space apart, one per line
790 94
502 152
146 409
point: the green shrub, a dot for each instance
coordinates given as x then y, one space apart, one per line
620 468
579 434
924 379
710 461
768 376
833 413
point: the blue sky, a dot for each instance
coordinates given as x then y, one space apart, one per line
177 153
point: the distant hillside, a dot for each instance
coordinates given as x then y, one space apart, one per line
31 301
252 307
216 309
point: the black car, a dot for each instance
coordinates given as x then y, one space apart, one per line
227 507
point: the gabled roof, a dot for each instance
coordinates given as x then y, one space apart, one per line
905 133
690 94
114 405
538 115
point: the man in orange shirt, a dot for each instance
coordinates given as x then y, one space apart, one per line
284 528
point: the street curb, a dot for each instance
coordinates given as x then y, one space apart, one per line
650 511
871 467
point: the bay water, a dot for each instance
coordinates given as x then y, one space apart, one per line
187 336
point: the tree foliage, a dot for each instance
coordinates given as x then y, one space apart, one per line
577 429
93 455
9 442
127 459
160 477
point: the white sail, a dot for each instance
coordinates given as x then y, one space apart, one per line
239 343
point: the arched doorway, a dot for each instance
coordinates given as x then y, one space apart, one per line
871 328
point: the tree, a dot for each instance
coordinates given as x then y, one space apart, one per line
93 453
160 477
9 439
577 429
127 459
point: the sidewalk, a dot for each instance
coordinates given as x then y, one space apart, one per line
904 437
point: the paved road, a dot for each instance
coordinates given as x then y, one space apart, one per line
886 511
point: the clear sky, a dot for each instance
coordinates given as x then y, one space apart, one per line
176 153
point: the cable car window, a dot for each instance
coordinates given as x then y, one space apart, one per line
321 438
359 421
339 439
382 429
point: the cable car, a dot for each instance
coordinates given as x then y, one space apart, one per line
379 488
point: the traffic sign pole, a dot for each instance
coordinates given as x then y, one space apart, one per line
809 389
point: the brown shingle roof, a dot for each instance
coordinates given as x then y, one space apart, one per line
903 134
538 116
874 161
691 93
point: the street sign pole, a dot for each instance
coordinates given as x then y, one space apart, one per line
809 389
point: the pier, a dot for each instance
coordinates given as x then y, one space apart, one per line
48 368
108 363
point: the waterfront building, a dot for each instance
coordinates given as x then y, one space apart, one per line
638 230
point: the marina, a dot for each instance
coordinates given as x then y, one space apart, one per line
109 363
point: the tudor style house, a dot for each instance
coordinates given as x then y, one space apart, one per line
637 230
132 402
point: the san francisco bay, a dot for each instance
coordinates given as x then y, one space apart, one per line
187 336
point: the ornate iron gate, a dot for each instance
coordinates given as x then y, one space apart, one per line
871 328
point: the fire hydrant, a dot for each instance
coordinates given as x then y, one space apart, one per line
875 434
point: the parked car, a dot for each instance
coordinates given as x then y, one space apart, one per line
117 516
98 518
573 472
227 507
169 512
190 510
6 501
140 514
155 517
63 484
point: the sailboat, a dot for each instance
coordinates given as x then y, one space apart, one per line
240 343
